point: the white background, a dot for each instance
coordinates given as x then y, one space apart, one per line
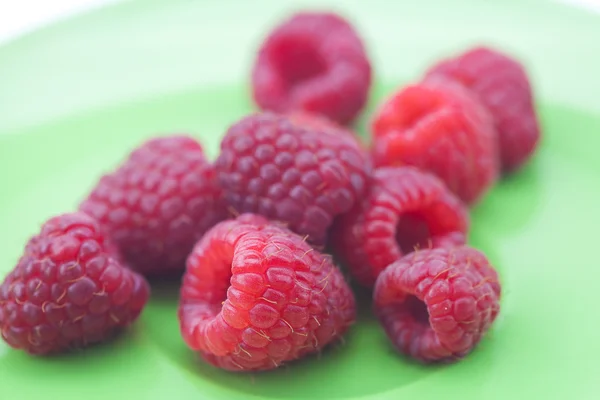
20 16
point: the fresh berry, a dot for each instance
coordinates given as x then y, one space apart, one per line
158 203
502 85
284 171
255 296
67 290
313 62
439 127
435 305
316 122
406 209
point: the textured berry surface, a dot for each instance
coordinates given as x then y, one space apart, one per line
315 122
502 85
158 203
255 296
67 290
406 209
313 62
439 127
435 305
284 171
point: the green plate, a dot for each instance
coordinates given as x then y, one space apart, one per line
76 96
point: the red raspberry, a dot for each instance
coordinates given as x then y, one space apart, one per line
158 203
502 85
435 305
255 296
406 209
438 127
316 122
313 62
279 169
67 290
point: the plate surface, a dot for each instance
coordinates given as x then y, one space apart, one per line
77 96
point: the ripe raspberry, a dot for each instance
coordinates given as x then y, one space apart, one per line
67 290
255 296
284 171
316 122
438 127
435 305
158 203
406 209
313 62
502 85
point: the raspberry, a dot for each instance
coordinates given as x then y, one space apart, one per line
502 85
67 290
255 296
435 305
284 171
313 62
438 127
158 203
406 209
316 122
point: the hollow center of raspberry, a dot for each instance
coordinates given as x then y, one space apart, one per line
212 276
412 232
417 309
298 60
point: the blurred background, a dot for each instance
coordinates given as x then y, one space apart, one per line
19 17
61 61
24 15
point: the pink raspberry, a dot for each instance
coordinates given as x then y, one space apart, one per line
256 296
502 85
316 122
436 305
287 172
158 203
439 127
313 62
405 209
67 290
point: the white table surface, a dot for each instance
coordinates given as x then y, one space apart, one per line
18 17
21 16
